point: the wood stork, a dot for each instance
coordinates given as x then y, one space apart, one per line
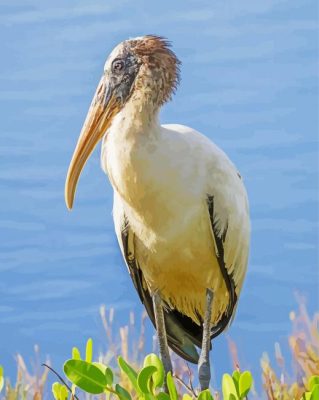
180 207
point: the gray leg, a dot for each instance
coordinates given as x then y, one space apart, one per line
203 363
161 332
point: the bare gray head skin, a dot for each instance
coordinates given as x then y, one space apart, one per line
120 70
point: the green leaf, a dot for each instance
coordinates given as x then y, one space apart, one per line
229 388
159 375
76 355
144 378
56 390
165 396
64 394
1 378
186 396
89 351
122 393
236 376
129 371
59 391
313 380
245 382
171 386
109 376
315 392
205 395
86 376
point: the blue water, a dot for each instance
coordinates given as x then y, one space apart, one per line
249 82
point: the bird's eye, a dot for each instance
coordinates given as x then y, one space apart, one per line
118 65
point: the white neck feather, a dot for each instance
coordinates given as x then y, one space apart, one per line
137 118
133 130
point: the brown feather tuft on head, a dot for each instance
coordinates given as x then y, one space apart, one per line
155 54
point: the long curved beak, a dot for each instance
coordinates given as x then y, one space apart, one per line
102 110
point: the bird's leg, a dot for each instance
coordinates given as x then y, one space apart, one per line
203 363
161 332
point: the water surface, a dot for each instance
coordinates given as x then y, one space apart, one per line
249 82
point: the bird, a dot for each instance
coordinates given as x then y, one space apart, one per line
180 207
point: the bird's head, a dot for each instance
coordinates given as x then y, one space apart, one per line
143 69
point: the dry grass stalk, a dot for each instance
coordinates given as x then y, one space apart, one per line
304 345
29 385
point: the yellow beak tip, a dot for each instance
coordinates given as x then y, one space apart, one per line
68 203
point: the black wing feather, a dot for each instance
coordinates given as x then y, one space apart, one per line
219 240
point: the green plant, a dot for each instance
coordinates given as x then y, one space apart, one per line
127 347
98 378
148 382
313 389
1 378
60 392
237 386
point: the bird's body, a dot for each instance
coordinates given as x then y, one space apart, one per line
161 176
180 207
